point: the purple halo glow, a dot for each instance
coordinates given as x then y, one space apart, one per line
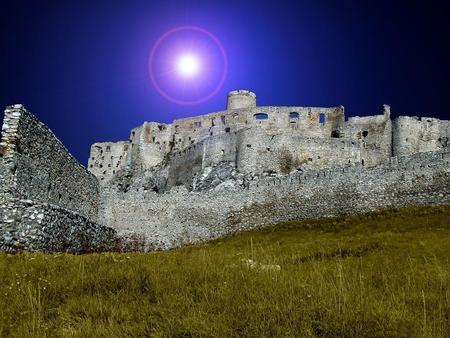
181 49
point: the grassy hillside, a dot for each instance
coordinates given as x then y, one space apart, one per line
384 274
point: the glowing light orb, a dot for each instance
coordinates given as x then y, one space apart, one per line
188 65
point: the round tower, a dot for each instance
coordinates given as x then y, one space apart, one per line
239 99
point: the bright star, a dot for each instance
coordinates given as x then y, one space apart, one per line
188 65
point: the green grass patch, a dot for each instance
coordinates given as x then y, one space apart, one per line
384 274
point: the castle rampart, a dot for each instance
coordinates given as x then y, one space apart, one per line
181 217
48 201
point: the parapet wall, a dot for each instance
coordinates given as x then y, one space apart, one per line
180 217
36 166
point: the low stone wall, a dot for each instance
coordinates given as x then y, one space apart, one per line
180 217
30 226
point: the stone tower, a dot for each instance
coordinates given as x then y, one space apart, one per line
241 99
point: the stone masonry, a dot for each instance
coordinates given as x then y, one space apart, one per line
208 176
48 201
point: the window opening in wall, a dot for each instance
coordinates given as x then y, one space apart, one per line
362 161
108 148
153 139
293 115
212 123
227 129
222 118
365 133
322 118
101 151
197 124
211 133
268 149
335 134
91 166
125 147
261 116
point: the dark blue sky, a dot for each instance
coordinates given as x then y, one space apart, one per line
81 66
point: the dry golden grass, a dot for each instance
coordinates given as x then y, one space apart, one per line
378 275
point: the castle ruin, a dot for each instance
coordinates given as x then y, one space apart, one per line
204 177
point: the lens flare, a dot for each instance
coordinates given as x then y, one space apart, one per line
188 65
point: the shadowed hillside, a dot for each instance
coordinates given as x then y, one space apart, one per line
378 275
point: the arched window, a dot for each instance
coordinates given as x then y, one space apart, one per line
293 115
261 116
322 118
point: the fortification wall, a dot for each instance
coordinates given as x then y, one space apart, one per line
48 201
374 136
41 168
107 158
38 167
414 134
259 152
26 225
181 217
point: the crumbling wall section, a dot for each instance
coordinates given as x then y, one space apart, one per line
180 217
413 134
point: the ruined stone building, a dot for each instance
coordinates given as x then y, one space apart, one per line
207 176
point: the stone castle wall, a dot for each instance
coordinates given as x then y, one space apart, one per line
412 134
38 166
180 217
48 201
